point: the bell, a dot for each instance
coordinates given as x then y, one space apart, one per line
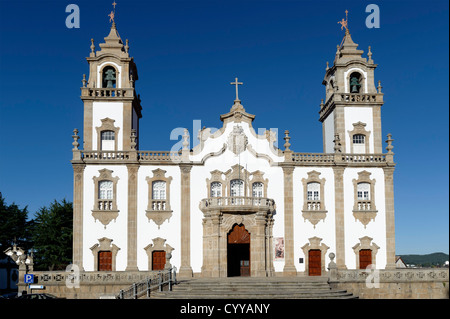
110 78
354 85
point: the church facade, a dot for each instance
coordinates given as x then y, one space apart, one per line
235 204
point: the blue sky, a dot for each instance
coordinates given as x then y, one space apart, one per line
187 53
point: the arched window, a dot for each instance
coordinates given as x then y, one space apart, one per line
159 190
313 190
107 140
363 190
355 82
237 187
105 195
257 189
216 189
105 190
359 143
109 77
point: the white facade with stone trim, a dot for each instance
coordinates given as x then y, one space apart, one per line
195 226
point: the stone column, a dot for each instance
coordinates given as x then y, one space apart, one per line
78 180
339 215
132 217
185 267
289 267
390 218
258 246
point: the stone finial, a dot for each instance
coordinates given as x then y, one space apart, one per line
389 146
92 48
321 103
369 54
328 67
286 143
127 47
131 80
338 48
379 87
84 80
75 140
133 140
186 139
332 268
337 144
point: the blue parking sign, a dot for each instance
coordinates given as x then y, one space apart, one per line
29 278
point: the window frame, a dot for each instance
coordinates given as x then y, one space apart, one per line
105 209
314 208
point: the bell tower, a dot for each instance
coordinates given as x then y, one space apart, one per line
111 107
351 111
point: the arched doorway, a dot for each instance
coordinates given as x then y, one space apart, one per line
238 251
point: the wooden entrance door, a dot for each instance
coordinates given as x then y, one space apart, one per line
315 262
105 261
238 252
158 260
365 258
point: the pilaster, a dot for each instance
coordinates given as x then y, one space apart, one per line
390 217
339 215
185 267
132 218
78 181
289 266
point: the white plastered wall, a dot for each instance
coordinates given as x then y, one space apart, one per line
354 229
148 230
303 229
115 230
329 133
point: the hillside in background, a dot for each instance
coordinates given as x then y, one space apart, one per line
434 259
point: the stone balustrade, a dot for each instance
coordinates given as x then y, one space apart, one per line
165 156
237 202
314 205
105 204
158 205
106 93
297 159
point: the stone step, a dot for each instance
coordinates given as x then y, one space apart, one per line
253 288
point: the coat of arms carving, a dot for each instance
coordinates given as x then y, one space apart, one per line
237 140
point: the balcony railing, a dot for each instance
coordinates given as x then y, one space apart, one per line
312 158
314 205
300 159
150 156
107 92
158 204
237 203
105 204
364 205
105 155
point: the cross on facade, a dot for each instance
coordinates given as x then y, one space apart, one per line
236 83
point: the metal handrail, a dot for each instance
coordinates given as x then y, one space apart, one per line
158 281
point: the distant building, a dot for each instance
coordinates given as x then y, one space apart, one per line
399 263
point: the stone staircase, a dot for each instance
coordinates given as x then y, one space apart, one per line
254 288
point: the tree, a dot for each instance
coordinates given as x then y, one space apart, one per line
52 236
14 226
